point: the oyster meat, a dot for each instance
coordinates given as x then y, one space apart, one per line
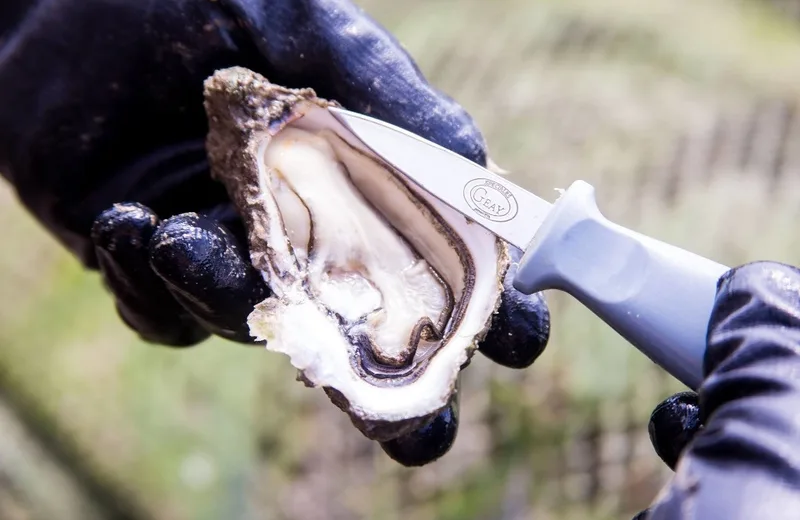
380 292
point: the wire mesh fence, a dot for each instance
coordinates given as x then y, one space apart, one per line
682 113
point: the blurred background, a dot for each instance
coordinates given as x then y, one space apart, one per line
682 112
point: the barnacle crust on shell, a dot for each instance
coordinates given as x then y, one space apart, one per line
380 292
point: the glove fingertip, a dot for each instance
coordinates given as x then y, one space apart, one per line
428 443
135 222
673 425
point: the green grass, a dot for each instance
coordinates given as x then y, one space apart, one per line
224 431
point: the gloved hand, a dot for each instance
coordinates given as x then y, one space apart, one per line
102 131
734 444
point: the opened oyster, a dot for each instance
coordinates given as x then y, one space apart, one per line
381 292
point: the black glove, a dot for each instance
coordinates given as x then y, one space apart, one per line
734 444
102 131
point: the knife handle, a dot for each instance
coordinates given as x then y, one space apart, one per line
657 296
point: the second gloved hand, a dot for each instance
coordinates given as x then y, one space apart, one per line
734 444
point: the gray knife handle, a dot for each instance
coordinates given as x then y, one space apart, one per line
657 296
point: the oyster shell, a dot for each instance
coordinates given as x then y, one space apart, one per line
381 292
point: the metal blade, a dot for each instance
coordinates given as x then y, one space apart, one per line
500 206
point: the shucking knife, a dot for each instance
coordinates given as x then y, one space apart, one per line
657 296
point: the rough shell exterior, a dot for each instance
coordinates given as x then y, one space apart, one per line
244 109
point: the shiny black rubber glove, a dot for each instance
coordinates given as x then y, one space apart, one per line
102 131
734 444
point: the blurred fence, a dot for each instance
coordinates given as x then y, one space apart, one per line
682 112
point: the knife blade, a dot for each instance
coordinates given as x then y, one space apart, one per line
502 207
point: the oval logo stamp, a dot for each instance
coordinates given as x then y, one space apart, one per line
491 200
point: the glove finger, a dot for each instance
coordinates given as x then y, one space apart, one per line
205 270
120 236
428 443
520 328
673 424
642 515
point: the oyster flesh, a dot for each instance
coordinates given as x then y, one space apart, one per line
380 292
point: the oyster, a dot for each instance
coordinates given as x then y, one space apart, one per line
381 293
